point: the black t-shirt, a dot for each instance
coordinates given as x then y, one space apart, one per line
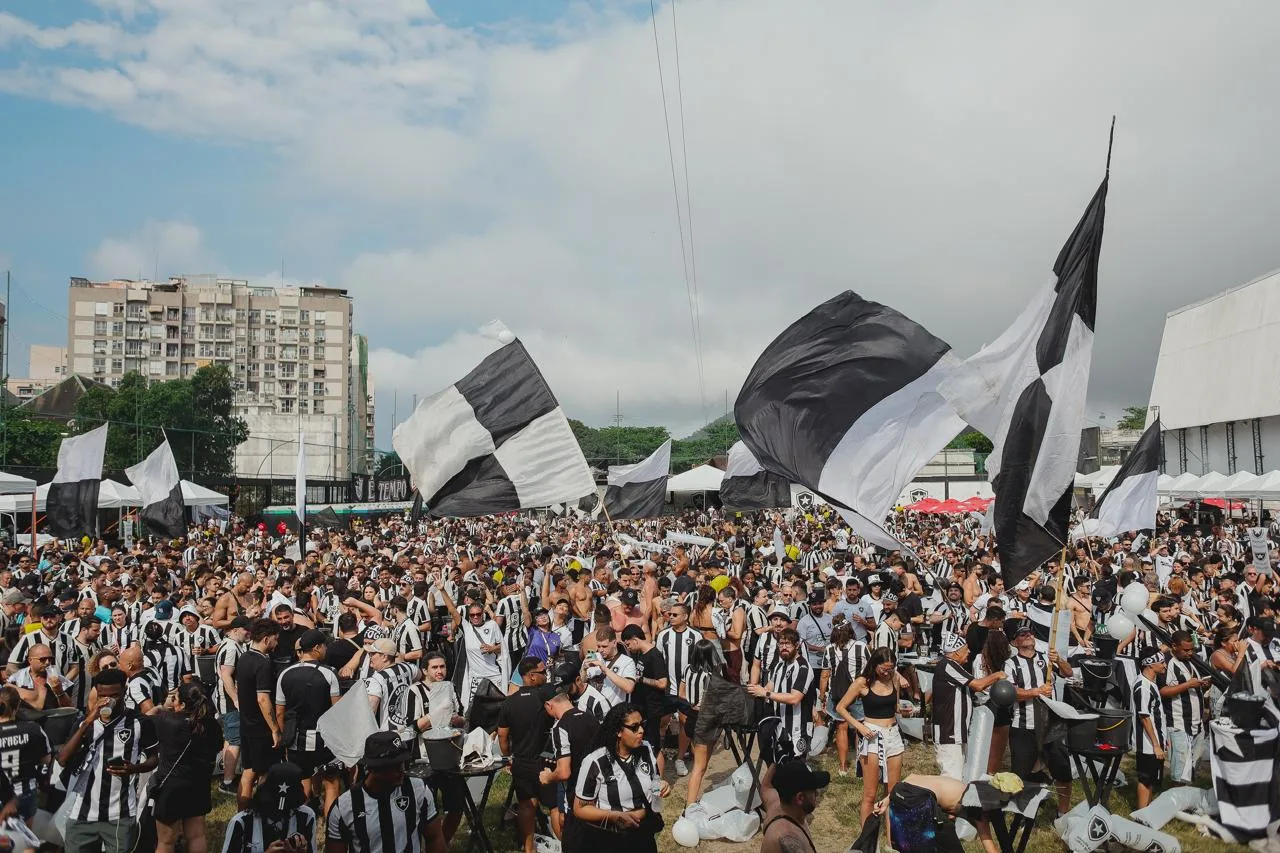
581 728
183 753
652 665
23 748
909 606
523 714
286 655
339 653
975 638
683 585
254 674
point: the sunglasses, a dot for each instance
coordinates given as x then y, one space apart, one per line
48 659
109 665
633 727
474 615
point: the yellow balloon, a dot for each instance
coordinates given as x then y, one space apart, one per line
719 582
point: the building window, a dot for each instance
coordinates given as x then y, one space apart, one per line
117 309
318 373
188 331
206 314
269 334
255 316
269 352
224 314
288 369
117 328
187 370
117 348
170 350
289 336
288 353
269 388
99 365
100 327
171 368
117 365
223 333
173 314
157 348
171 333
222 351
253 369
188 315
317 389
206 330
289 317
286 405
99 347
320 318
320 336
188 350
304 353
269 370
317 406
269 317
206 350
241 314
302 407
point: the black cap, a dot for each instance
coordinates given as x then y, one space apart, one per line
385 749
312 638
629 597
792 777
817 598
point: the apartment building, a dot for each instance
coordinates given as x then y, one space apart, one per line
289 351
46 367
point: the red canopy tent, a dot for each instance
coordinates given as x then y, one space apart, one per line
923 505
1222 504
950 507
976 504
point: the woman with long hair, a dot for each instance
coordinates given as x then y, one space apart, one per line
880 688
704 662
1229 653
543 641
844 658
618 784
189 738
992 658
702 619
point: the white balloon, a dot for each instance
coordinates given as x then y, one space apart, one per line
506 336
1120 626
685 832
1134 599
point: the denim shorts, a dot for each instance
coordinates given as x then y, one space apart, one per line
231 727
855 709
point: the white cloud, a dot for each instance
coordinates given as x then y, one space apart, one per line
933 157
156 247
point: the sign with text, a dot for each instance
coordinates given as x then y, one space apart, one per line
369 489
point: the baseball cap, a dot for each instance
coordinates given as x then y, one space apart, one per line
382 646
384 749
1022 629
778 610
629 597
817 598
311 638
792 777
14 596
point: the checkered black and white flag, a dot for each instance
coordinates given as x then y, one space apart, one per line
495 441
1026 390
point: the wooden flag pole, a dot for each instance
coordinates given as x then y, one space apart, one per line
1058 601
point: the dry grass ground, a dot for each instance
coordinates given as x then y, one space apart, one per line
835 824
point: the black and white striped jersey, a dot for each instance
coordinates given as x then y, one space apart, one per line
676 647
594 702
120 637
139 689
203 637
99 796
619 785
695 684
417 703
417 612
1026 673
955 618
18 657
165 665
797 720
395 821
514 633
407 637
848 660
228 653
390 686
756 619
306 690
767 654
248 832
1147 703
72 653
952 702
884 637
1184 711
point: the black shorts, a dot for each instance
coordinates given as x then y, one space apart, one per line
258 755
1150 770
524 778
310 761
1023 756
449 787
653 732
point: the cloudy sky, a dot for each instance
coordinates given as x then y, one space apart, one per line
458 161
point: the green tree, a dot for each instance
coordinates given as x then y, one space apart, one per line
196 414
387 462
1134 417
712 440
973 440
27 441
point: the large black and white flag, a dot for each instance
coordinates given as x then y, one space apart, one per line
1130 501
495 441
72 503
1026 391
639 490
157 481
845 403
747 486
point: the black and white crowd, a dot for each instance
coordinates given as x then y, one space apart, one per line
591 650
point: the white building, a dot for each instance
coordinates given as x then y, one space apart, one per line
1215 386
289 351
46 367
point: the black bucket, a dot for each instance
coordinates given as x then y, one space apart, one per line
1245 709
1105 646
1113 728
1097 674
1082 734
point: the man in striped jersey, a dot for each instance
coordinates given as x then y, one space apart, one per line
387 812
1149 727
512 616
226 701
1029 672
1182 690
790 687
193 639
675 642
388 683
950 616
767 648
405 633
278 811
304 692
111 747
953 689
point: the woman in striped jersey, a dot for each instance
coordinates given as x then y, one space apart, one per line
703 663
843 660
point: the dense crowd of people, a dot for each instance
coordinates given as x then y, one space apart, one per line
601 653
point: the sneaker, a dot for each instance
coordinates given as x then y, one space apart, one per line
695 811
682 769
844 772
227 787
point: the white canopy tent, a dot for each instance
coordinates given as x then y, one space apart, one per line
12 484
1099 480
703 478
194 494
1265 488
1239 484
1211 485
1180 485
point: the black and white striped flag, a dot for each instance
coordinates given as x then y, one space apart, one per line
1244 777
845 402
1130 500
157 481
1026 390
747 486
639 490
72 502
495 441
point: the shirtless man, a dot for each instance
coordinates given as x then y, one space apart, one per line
790 792
235 602
1081 604
949 792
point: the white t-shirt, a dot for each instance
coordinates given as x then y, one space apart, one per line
624 667
482 664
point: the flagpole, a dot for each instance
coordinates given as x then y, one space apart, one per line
1057 608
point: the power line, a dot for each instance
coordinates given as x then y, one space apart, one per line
675 189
